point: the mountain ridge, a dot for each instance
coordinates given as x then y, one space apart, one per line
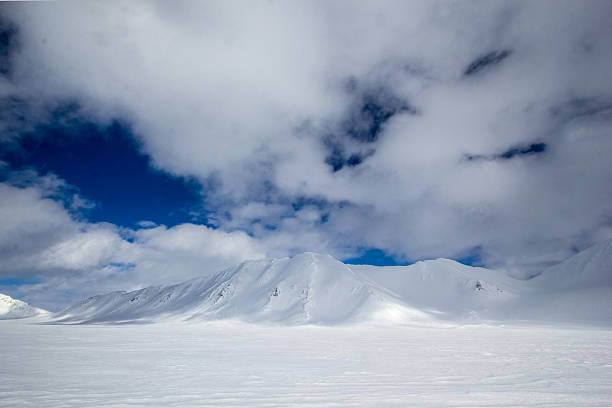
317 289
307 289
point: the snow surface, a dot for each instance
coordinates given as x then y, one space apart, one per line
312 288
16 309
244 365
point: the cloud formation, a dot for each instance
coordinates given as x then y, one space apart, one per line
43 241
426 129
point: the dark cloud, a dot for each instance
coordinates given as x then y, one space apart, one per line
9 44
340 158
583 108
13 116
532 149
367 119
486 61
518 151
354 138
336 159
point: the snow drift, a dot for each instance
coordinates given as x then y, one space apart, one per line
16 309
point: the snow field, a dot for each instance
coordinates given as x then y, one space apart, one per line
227 364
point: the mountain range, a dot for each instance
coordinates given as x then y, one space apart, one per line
317 289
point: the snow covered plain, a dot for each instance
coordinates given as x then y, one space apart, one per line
225 364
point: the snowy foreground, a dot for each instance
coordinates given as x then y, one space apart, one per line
227 364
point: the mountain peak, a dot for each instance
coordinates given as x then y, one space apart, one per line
16 309
591 268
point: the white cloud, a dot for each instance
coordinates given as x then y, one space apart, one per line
41 240
31 223
92 246
247 97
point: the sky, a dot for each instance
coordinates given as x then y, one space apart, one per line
149 142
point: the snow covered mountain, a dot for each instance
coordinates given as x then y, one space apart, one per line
591 268
578 289
313 288
446 288
309 288
16 309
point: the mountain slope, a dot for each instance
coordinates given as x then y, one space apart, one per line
591 268
312 288
308 288
446 288
16 309
578 289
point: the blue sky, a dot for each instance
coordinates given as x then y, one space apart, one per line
165 141
105 165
